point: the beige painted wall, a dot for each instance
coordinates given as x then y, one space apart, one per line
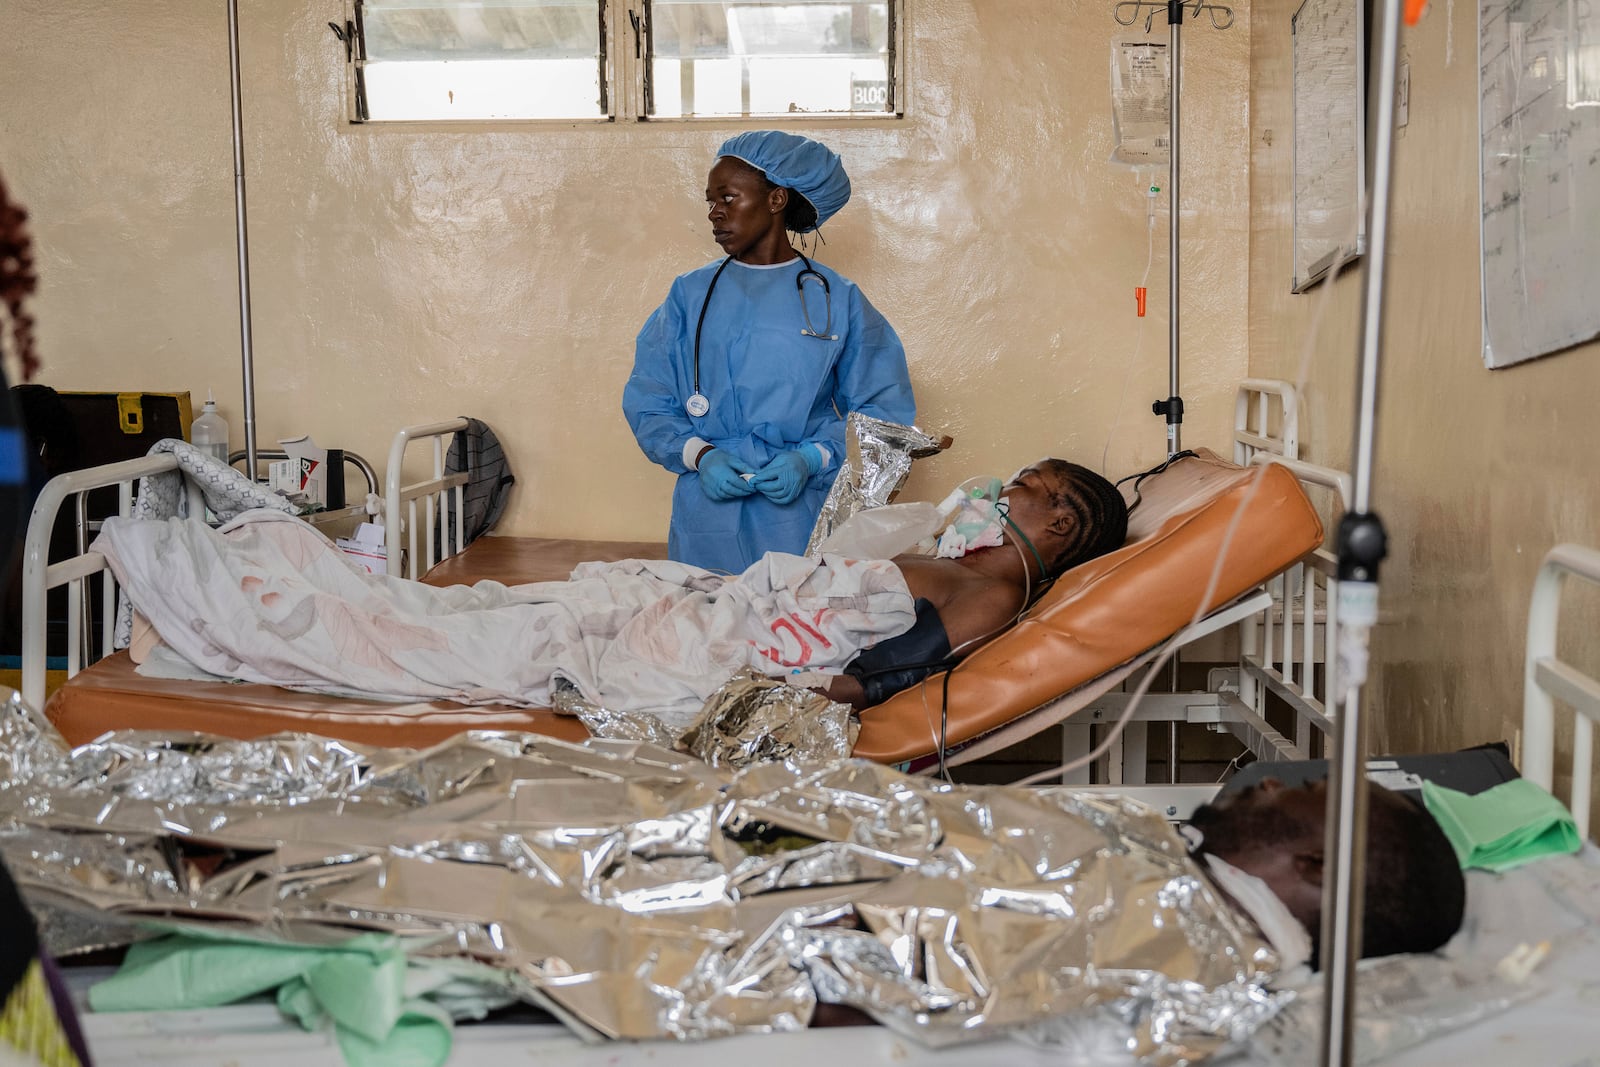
1479 472
407 274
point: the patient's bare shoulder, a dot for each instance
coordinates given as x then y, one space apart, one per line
970 603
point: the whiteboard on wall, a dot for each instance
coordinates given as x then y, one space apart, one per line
1329 136
1539 117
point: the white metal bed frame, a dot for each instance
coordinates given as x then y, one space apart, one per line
1283 633
1547 679
40 575
432 497
1266 419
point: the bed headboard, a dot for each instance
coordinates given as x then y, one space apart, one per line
425 503
1546 679
1266 420
40 575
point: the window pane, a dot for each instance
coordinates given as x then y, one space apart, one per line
769 58
492 59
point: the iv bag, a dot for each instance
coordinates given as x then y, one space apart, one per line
1141 100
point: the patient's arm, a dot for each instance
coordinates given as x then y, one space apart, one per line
956 610
900 661
846 690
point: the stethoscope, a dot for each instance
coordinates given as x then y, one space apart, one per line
697 404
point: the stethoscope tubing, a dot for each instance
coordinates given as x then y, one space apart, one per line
810 331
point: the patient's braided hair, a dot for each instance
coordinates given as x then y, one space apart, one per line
17 280
1098 507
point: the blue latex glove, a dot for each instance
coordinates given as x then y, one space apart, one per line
719 475
787 473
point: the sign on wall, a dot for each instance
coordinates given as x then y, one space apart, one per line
1330 146
1539 118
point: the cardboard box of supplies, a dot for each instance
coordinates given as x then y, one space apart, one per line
367 549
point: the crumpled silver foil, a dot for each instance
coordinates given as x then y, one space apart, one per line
635 892
755 719
750 719
877 461
601 721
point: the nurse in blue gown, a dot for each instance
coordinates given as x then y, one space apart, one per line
787 348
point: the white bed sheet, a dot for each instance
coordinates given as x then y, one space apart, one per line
1555 900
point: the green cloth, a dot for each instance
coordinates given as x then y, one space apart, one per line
1503 827
384 1007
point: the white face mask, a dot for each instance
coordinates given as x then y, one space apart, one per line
977 518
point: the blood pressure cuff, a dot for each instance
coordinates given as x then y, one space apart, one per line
900 662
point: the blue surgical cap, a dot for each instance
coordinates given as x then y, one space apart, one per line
808 167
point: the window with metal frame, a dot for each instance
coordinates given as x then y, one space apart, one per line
737 58
452 60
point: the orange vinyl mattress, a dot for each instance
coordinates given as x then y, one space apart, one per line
1096 617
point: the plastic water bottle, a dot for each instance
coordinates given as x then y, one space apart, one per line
209 433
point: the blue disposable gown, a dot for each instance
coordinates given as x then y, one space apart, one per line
771 389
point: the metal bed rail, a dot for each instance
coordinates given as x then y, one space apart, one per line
39 575
1547 678
1282 648
1266 419
430 500
327 521
1288 640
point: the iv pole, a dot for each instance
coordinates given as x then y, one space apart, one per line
1362 545
1221 18
247 356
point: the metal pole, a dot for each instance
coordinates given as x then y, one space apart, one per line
1174 419
1362 546
247 356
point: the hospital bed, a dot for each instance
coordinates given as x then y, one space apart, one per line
1092 630
1282 644
1554 1027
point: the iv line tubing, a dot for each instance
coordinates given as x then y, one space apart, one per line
1302 375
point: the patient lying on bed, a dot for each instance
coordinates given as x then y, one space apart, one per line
1060 515
1414 891
268 599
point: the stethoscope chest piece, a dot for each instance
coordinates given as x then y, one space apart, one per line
697 405
809 330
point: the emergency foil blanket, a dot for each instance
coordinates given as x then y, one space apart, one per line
750 719
877 461
637 893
